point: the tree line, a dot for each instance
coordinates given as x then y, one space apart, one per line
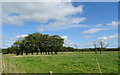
46 44
67 49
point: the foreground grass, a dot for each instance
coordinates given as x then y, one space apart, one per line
0 63
70 62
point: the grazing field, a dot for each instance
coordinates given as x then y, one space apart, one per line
70 62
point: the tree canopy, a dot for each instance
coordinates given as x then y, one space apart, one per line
36 42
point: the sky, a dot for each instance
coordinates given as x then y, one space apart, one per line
79 23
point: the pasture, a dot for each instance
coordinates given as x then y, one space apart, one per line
67 62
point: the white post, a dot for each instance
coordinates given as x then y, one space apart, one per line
50 73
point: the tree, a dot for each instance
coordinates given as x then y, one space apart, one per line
100 44
18 49
75 47
37 42
95 47
57 43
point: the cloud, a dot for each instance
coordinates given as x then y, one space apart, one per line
1 36
98 25
94 30
21 37
61 14
114 24
5 41
60 0
63 24
8 42
88 36
40 29
37 12
106 39
0 13
68 42
115 36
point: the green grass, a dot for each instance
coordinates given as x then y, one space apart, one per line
0 63
62 63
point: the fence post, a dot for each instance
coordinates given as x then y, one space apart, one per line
50 73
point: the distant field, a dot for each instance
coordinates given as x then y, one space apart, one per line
71 62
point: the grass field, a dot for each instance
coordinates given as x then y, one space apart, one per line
0 63
70 62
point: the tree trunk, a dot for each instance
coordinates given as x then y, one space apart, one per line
100 51
51 52
41 52
48 53
95 51
26 53
37 53
21 53
56 52
32 53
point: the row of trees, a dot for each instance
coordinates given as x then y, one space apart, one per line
69 49
35 43
46 44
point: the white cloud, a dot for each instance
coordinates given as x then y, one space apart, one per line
21 37
37 12
1 36
115 36
0 13
65 38
88 36
43 12
114 24
98 25
94 30
5 41
76 20
8 42
42 28
60 0
68 42
62 24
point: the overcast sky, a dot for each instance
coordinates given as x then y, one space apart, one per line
77 22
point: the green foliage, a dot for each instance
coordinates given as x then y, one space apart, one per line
35 43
